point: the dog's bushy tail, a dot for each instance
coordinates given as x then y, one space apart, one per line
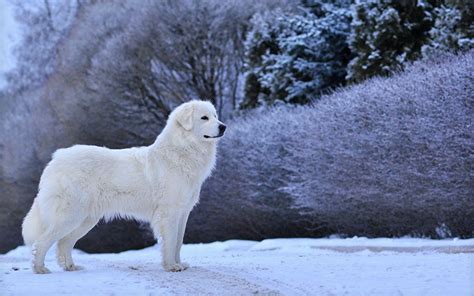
32 226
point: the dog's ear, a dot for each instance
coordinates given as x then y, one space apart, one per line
185 116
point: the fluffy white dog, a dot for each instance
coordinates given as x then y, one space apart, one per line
159 183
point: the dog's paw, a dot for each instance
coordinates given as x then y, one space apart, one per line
73 267
183 265
175 267
40 270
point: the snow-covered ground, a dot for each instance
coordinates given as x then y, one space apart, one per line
356 266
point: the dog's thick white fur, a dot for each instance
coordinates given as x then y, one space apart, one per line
158 183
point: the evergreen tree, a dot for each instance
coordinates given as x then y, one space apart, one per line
385 34
294 57
466 24
317 7
453 28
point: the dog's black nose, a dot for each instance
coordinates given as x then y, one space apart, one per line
222 128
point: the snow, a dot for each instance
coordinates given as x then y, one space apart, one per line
334 266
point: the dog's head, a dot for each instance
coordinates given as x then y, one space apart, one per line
200 119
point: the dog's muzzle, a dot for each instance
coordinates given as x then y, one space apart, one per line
222 128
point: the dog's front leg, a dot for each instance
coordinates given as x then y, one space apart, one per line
182 228
168 224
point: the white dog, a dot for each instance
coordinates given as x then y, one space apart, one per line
159 183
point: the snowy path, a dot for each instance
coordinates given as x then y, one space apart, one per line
271 267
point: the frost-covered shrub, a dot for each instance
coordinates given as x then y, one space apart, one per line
291 57
389 157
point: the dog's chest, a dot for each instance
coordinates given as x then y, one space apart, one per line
195 169
179 185
177 175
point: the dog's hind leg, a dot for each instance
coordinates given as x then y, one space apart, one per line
42 245
65 245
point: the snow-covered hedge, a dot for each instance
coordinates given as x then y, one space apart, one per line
390 157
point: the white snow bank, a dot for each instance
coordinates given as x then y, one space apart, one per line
357 266
360 243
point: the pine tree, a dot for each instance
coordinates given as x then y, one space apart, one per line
466 25
385 34
452 29
294 57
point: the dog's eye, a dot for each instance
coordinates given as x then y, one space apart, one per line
205 118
